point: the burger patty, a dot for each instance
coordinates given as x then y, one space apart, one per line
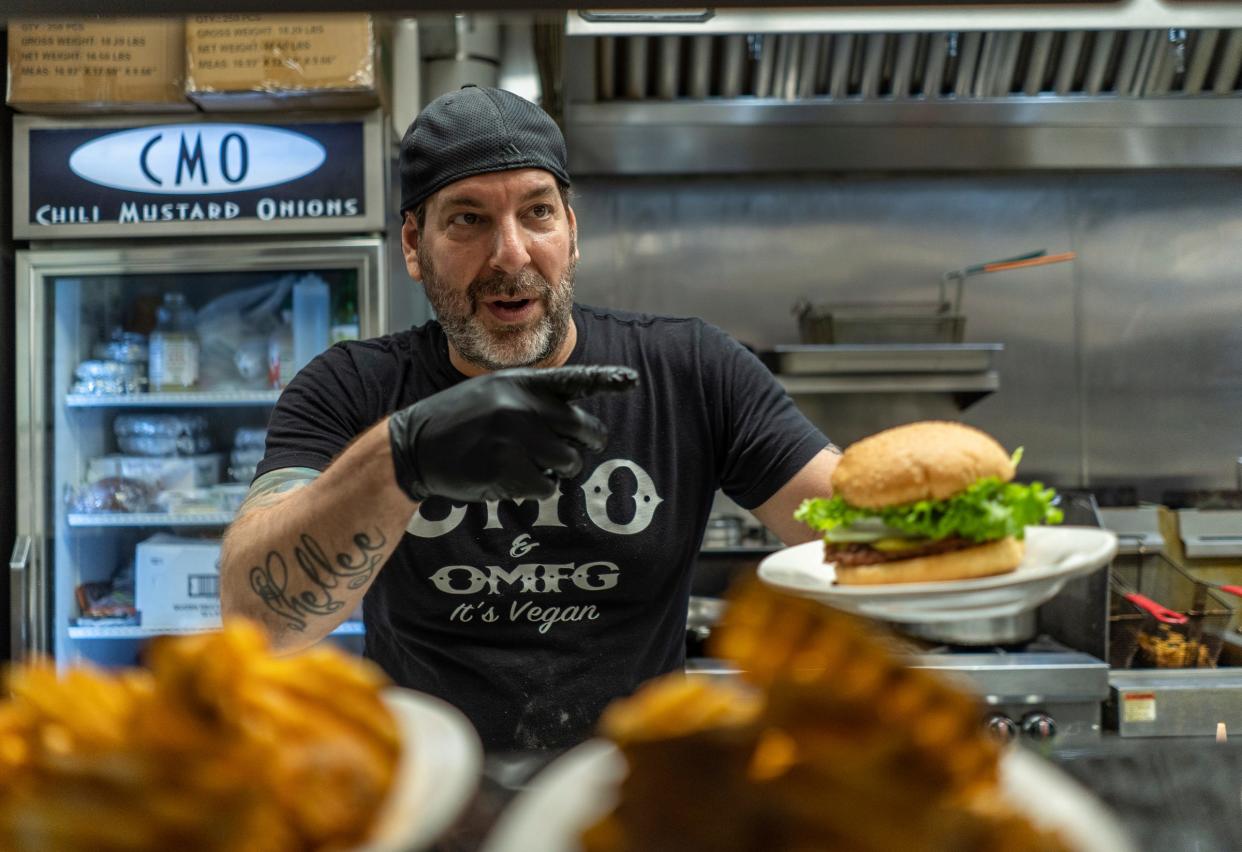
853 554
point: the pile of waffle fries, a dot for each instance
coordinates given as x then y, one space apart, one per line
217 746
831 744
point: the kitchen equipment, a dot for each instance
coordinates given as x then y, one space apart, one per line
702 615
1189 634
977 632
723 531
1210 532
1041 691
941 321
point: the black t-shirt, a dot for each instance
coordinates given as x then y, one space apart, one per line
532 616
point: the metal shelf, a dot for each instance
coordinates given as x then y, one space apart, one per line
883 358
150 519
134 631
214 399
957 383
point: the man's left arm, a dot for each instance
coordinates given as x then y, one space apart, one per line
813 480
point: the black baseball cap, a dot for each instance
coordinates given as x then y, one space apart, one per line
474 131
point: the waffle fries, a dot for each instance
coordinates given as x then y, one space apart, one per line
830 744
1171 649
220 746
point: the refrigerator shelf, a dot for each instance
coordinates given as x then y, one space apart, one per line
150 519
133 631
212 399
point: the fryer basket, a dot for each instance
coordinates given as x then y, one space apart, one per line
1140 641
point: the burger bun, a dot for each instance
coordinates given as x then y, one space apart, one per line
929 460
982 560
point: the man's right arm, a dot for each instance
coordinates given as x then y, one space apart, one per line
306 546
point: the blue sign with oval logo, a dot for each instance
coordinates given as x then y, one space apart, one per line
193 159
200 176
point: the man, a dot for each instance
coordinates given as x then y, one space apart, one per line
523 555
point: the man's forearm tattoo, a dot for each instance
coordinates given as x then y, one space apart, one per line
272 486
353 570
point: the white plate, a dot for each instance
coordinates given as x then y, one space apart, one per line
1054 556
438 773
581 786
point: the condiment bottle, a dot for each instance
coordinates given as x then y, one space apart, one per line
173 347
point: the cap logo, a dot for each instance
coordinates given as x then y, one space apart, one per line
511 150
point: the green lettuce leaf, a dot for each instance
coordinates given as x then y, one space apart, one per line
986 511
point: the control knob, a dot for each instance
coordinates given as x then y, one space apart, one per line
1039 726
1001 727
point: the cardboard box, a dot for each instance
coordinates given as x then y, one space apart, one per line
281 61
97 65
177 582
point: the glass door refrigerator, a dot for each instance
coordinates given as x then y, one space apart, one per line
147 369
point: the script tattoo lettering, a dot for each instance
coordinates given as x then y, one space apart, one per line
270 581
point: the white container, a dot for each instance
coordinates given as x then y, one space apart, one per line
177 583
311 310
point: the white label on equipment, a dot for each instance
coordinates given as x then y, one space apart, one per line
1139 707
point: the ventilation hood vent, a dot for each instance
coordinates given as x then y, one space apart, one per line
939 99
966 65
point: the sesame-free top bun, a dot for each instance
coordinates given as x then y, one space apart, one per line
981 560
930 460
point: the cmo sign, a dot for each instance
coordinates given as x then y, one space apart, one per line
197 159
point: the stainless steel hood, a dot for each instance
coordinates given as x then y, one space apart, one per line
693 102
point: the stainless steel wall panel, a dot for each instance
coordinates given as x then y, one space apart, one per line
740 252
1160 256
635 149
1123 367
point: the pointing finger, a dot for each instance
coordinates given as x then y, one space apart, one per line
576 382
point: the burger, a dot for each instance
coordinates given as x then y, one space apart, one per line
923 502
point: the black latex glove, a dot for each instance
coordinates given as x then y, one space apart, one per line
505 435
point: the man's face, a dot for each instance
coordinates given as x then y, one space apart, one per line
497 254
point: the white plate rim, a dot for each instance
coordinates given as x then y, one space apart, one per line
1104 550
591 772
438 773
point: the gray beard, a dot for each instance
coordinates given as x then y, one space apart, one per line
516 346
